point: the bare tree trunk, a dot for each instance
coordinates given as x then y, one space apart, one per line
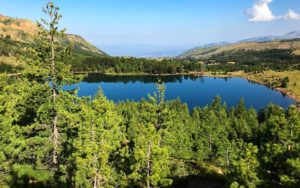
55 133
55 140
149 165
96 182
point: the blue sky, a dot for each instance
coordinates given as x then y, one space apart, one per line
141 26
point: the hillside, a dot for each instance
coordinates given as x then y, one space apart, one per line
16 34
207 52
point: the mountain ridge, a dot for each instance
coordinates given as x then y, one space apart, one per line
16 33
287 41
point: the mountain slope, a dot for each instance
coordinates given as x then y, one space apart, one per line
289 41
16 34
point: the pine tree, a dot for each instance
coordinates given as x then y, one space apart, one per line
57 74
244 169
150 158
98 137
211 134
31 104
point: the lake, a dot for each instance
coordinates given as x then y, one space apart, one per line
195 91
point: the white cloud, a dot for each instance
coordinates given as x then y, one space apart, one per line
291 15
261 12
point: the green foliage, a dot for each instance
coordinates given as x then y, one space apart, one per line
98 137
52 138
254 61
245 167
284 82
150 165
26 173
135 65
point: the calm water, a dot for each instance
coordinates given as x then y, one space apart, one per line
195 91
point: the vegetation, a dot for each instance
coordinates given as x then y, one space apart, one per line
17 35
52 138
223 48
254 61
123 65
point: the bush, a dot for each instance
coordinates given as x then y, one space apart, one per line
285 82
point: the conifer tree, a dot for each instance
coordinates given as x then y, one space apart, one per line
98 137
56 73
31 104
150 165
244 168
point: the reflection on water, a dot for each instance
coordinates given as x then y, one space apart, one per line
97 78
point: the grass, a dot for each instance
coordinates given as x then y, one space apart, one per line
296 52
270 78
294 77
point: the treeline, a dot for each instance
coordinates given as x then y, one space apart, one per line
135 65
252 61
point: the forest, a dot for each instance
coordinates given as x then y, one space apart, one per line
254 61
125 65
52 138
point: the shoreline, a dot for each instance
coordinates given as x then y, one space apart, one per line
144 74
284 91
201 74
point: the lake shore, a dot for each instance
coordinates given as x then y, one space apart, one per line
282 90
288 92
144 74
251 78
239 74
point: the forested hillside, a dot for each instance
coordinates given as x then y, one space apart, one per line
252 61
16 35
249 56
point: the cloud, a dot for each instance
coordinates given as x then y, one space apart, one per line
291 15
261 12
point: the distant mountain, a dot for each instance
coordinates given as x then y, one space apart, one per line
161 54
291 35
288 36
143 50
256 43
259 39
215 44
16 34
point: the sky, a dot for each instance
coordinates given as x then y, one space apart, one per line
145 27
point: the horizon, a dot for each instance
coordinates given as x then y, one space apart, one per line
142 28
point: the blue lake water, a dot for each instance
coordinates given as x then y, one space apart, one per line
195 91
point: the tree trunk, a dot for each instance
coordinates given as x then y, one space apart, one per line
55 133
149 165
227 157
96 182
55 140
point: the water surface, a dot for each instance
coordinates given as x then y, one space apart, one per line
195 91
